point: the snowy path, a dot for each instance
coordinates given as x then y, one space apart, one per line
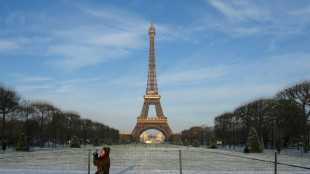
151 159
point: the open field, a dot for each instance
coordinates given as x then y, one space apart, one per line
151 159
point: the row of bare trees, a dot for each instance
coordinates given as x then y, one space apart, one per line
43 122
281 120
200 133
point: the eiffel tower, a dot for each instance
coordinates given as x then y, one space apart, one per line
151 98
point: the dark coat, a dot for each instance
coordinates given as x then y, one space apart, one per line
103 162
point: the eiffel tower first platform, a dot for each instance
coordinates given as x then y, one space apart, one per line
151 98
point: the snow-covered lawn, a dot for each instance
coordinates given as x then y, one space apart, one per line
151 159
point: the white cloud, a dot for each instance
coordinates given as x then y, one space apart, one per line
243 18
271 69
117 17
40 86
118 39
24 45
191 76
241 31
96 43
304 11
240 10
132 80
74 45
72 57
31 88
35 79
176 76
80 81
6 45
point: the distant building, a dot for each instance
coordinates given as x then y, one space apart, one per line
144 137
147 138
160 137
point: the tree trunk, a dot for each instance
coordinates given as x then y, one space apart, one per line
306 142
3 129
41 132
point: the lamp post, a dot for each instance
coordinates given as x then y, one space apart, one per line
202 129
83 126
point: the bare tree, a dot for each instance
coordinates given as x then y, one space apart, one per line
31 127
9 100
207 133
87 128
300 93
99 131
25 110
55 126
73 124
223 127
243 115
44 111
185 135
288 117
254 114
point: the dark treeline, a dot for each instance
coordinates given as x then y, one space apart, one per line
200 133
281 120
43 122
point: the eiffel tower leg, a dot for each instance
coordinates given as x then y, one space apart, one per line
159 110
145 110
136 130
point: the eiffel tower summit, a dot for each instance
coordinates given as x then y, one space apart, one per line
151 98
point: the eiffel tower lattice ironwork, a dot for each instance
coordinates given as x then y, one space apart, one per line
151 98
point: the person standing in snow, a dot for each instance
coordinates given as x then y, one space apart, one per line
103 161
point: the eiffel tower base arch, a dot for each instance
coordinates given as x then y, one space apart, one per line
144 124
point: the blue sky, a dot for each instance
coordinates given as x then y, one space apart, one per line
211 55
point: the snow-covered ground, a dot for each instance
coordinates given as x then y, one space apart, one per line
151 159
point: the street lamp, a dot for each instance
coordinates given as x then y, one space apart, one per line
202 127
83 127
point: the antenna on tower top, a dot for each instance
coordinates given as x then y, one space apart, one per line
152 21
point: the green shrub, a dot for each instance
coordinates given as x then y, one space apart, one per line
22 144
253 142
96 143
74 142
109 142
185 142
195 143
213 144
